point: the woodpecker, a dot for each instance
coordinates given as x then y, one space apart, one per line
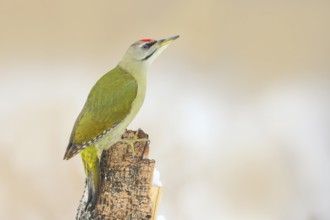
111 105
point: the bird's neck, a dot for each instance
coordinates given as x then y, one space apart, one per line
136 68
139 71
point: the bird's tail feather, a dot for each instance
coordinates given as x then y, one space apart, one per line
92 170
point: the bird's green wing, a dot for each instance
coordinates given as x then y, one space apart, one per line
108 103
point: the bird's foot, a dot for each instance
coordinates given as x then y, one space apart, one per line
131 142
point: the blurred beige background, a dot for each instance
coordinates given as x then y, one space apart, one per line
237 109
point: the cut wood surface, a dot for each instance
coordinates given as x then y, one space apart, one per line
126 183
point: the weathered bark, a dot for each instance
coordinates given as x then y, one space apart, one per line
126 183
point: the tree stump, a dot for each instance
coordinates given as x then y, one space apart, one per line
126 183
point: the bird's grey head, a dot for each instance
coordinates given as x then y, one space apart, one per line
145 51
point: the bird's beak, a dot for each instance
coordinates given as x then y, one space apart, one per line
166 41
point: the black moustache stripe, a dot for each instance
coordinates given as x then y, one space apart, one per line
147 57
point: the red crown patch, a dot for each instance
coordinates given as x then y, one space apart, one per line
146 40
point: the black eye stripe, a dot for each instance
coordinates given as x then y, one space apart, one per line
148 45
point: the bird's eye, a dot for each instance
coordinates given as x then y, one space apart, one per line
146 46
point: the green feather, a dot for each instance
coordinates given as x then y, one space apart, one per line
108 103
